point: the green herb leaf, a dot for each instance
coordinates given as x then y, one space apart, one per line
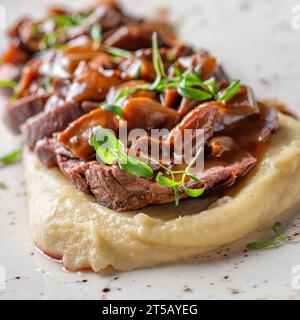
81 18
34 30
270 243
111 150
8 83
166 182
96 35
113 108
3 186
64 21
49 40
157 60
177 72
119 52
157 84
124 93
212 85
231 91
258 245
135 167
176 195
194 192
11 157
171 57
276 228
106 145
137 71
194 94
195 178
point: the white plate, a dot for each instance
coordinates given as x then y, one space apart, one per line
256 42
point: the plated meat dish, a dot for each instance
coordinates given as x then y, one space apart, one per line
61 90
74 80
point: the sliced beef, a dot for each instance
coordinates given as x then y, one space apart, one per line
45 150
137 36
229 156
252 131
17 112
89 106
48 122
118 190
221 75
75 170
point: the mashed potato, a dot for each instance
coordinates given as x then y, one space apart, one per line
69 224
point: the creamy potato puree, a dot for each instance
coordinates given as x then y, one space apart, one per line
67 223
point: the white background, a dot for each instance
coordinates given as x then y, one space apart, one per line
256 43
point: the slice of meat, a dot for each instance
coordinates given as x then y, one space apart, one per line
89 106
216 177
220 145
221 75
45 150
253 131
118 190
17 112
75 171
137 36
48 122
